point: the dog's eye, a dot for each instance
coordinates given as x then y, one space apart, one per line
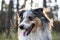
30 18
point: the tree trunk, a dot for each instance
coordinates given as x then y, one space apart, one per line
9 17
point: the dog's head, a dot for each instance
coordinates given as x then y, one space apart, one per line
29 21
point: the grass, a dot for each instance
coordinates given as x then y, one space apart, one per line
4 37
55 36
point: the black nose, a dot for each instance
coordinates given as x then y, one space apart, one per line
22 27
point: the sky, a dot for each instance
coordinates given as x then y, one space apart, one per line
0 4
7 1
21 2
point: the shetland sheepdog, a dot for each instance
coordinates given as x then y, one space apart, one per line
31 27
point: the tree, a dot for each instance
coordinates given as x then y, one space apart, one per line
9 17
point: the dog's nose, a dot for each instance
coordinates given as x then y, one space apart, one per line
22 27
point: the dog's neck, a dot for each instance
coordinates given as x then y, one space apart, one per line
31 36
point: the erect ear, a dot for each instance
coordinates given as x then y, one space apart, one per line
21 13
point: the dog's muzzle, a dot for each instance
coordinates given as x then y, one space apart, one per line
28 30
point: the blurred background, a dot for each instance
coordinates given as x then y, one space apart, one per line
8 19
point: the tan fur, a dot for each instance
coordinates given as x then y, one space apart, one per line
48 16
37 24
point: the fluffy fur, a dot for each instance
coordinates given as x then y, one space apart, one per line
39 32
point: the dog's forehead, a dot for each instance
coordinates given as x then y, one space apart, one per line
27 13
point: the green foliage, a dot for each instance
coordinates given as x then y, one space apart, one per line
56 35
4 37
56 26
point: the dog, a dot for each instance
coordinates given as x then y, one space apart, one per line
30 26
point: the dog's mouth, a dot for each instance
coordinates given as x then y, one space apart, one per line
27 31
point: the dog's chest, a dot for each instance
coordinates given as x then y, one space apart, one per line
33 36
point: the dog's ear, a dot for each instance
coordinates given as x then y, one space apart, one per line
21 13
38 12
